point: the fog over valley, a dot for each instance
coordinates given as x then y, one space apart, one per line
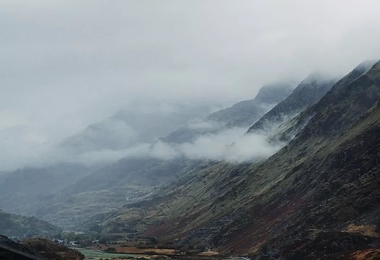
190 129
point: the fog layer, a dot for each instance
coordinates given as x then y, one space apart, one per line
67 64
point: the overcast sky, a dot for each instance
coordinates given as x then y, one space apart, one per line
65 64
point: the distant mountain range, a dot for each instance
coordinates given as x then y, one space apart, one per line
127 128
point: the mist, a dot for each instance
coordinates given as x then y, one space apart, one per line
230 145
67 64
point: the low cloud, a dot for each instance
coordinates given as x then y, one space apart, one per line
231 145
205 125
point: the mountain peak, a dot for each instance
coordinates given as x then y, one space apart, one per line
274 92
313 80
316 77
374 70
348 99
307 93
366 65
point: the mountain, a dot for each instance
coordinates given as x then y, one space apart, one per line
317 198
242 114
39 191
246 112
337 93
143 123
108 187
20 226
308 92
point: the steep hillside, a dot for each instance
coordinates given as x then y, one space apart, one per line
337 93
12 250
242 114
308 92
20 226
317 197
305 173
330 205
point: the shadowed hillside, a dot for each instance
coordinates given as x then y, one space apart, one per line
321 189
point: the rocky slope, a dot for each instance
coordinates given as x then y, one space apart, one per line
317 198
337 93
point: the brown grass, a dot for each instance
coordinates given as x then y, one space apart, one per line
367 254
366 230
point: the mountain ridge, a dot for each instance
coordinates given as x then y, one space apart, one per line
241 114
308 92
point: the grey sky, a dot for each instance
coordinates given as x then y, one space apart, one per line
67 63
